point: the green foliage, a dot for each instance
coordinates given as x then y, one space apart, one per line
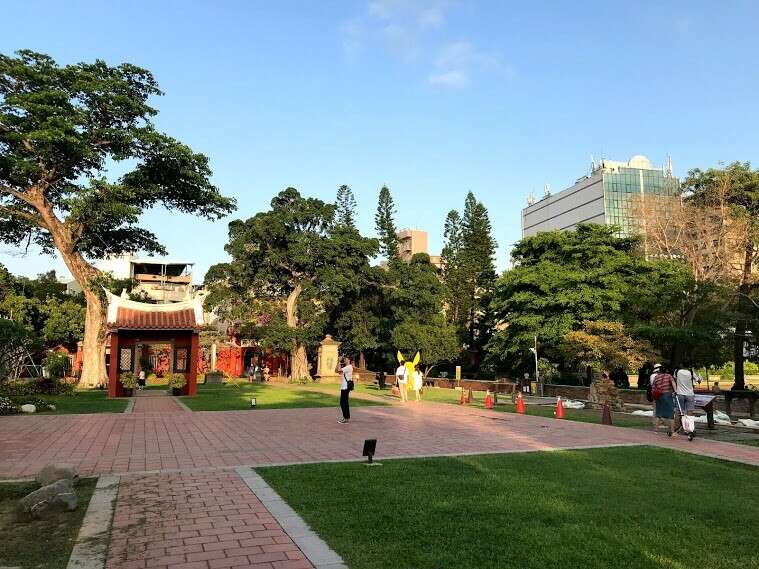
176 380
57 365
384 221
64 322
417 312
15 340
128 380
559 280
604 346
346 207
293 251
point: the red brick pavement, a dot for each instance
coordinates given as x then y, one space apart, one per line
196 520
139 442
152 401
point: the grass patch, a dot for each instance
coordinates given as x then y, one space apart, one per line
749 442
39 544
85 401
230 396
637 508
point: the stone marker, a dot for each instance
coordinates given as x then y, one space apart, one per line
58 471
58 496
28 408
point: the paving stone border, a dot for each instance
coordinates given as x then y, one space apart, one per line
91 547
182 404
313 547
130 406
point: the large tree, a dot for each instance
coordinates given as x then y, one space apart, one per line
451 260
346 207
736 188
291 266
60 128
477 273
559 280
416 305
384 221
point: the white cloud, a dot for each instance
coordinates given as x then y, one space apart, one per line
407 30
432 17
454 79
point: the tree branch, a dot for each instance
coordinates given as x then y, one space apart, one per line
30 217
21 196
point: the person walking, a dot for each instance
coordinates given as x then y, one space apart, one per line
663 387
141 380
417 384
346 386
400 376
686 396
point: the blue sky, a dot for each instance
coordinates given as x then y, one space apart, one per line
433 98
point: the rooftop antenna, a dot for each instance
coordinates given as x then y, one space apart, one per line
531 199
669 164
592 164
547 191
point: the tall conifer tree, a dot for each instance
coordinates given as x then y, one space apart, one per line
385 224
346 207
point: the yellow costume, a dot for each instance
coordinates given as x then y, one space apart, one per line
410 366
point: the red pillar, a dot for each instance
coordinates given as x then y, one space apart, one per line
192 377
113 371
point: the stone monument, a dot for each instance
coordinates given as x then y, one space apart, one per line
603 392
327 359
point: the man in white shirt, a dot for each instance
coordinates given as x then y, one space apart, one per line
400 375
686 381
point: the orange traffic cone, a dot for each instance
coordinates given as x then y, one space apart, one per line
606 416
520 404
488 401
559 411
461 400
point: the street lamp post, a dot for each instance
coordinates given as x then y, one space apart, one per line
537 371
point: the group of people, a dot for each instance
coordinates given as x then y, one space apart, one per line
403 378
671 389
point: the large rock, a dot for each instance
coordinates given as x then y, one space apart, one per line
55 472
28 408
604 392
58 496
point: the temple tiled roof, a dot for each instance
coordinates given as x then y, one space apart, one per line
124 314
131 319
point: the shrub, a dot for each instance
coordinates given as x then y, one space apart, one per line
8 407
128 380
52 386
56 364
176 380
40 404
17 388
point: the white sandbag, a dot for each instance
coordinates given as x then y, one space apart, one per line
572 404
717 420
642 413
750 423
721 415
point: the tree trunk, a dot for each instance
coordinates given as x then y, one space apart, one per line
299 363
298 355
740 326
93 363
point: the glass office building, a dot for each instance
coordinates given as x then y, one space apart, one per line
605 197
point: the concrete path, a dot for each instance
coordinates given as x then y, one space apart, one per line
172 441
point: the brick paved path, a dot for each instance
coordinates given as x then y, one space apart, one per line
207 520
152 401
138 442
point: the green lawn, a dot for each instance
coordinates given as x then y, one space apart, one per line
85 401
631 508
229 397
39 544
749 442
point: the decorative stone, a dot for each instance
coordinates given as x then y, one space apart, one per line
28 408
327 359
58 496
603 392
58 471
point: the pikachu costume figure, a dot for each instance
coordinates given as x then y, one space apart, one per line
409 374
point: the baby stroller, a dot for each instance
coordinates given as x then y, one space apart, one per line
687 422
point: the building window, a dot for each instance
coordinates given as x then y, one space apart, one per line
126 359
181 360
